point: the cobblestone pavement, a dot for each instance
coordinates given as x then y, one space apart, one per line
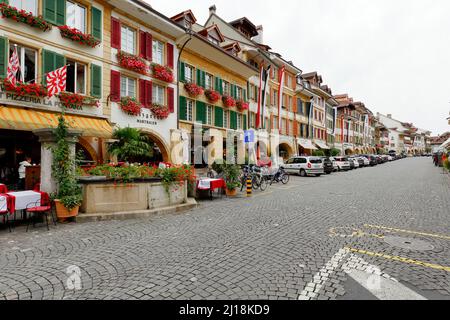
306 240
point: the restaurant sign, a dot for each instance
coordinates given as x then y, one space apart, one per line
44 103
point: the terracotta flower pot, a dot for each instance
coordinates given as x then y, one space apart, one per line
231 193
63 213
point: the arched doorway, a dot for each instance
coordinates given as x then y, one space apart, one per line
85 152
285 151
348 152
160 149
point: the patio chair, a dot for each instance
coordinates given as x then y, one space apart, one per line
39 209
4 211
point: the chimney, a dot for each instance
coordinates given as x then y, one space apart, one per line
260 37
389 116
212 9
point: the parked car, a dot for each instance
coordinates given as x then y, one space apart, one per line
355 161
373 161
385 158
335 165
379 159
366 161
390 158
342 163
360 161
305 166
327 165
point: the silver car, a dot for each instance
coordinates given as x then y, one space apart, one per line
342 163
304 166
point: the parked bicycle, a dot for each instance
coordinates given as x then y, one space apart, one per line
280 176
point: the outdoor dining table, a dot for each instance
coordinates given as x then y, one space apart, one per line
22 200
209 184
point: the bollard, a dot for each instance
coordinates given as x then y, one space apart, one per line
249 186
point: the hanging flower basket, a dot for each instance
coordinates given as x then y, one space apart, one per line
162 73
193 90
242 105
78 36
160 112
26 89
24 17
131 106
228 101
77 101
212 96
132 62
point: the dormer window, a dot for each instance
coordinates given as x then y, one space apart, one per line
213 40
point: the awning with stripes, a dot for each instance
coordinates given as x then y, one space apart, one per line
29 120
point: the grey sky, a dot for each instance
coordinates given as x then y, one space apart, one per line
392 55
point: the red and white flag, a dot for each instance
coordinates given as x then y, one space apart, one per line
56 81
13 67
281 76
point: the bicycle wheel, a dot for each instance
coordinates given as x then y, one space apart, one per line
256 183
264 184
285 178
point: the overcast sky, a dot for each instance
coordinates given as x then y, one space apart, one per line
392 55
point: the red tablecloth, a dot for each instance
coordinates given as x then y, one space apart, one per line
213 184
3 188
11 201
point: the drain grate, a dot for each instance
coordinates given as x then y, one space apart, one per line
409 243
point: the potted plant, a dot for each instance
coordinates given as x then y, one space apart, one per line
230 173
68 197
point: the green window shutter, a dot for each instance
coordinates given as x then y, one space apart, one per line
4 1
200 112
50 11
60 61
218 117
233 120
96 81
182 72
199 77
203 79
60 12
48 63
183 108
232 90
245 94
96 17
3 56
217 84
245 121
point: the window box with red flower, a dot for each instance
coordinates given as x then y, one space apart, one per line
23 16
228 101
77 101
193 90
162 73
242 105
160 112
25 89
212 96
130 106
78 36
132 62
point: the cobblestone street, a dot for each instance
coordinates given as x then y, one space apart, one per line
315 238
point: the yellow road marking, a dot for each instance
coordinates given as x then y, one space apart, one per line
400 259
357 233
408 231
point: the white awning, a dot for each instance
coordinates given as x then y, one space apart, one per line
445 145
322 145
306 144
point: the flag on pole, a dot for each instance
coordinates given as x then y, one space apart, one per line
263 83
13 67
56 81
258 113
310 118
281 74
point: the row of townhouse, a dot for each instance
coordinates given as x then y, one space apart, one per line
129 65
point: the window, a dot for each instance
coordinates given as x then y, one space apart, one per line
226 88
189 73
158 52
275 122
209 115
226 115
128 40
76 16
127 87
27 5
213 40
189 110
76 77
238 93
27 61
209 81
158 95
239 121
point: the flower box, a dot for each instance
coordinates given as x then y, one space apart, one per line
193 90
242 105
76 101
26 89
78 36
212 96
160 112
24 17
131 106
228 101
132 62
162 73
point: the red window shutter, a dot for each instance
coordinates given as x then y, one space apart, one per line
142 92
115 86
115 33
170 99
170 62
142 44
149 93
149 45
